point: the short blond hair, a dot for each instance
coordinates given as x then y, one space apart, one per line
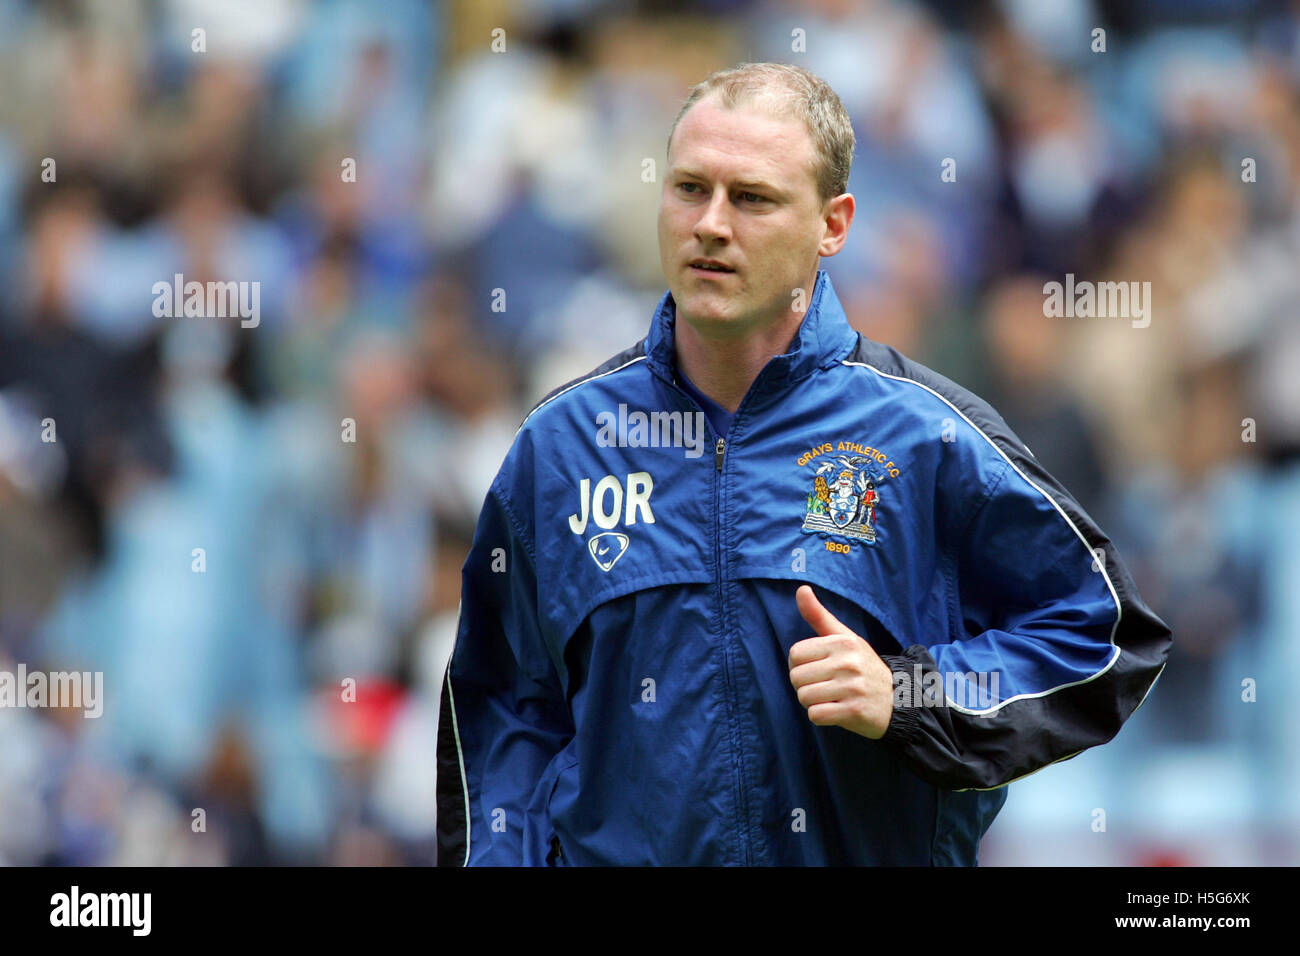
793 91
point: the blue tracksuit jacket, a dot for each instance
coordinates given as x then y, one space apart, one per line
619 691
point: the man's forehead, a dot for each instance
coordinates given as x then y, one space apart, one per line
752 143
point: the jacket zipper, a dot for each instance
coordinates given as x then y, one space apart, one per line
742 803
738 775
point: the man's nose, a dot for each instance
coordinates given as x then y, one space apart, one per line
714 223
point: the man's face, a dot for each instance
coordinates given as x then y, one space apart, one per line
739 190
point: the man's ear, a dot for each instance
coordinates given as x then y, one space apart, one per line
838 217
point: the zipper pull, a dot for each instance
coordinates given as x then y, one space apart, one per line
722 446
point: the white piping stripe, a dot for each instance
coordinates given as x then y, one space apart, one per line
590 378
1092 558
460 758
1022 776
1077 752
1154 681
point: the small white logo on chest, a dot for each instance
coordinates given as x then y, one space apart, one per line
607 547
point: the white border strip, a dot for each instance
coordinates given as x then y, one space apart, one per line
460 758
1092 558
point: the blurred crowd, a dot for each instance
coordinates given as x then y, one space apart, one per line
387 176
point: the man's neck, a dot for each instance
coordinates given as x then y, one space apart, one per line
724 367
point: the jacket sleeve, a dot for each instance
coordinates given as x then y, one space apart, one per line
1052 647
503 716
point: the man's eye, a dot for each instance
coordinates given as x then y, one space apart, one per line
754 197
684 185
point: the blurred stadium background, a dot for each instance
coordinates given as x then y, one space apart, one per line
522 170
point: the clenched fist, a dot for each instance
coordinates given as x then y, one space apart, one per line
838 676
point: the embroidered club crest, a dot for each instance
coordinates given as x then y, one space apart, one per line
844 499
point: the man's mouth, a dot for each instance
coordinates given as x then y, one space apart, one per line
710 266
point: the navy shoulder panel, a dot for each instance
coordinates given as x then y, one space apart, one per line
889 361
613 364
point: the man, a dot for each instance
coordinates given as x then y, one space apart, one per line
831 634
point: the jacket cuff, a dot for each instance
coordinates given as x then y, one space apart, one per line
905 723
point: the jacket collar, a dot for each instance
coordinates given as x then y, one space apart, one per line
824 337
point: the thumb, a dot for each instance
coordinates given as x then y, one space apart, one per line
819 619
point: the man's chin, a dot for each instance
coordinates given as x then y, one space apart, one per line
709 310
